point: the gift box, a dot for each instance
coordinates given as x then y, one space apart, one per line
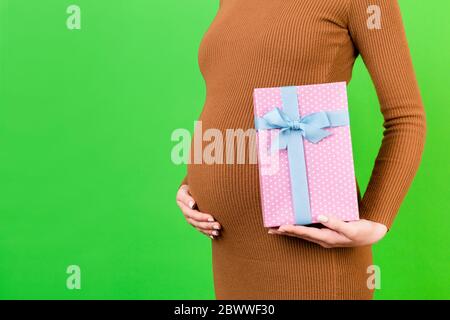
305 157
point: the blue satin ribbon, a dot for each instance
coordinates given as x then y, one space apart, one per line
293 129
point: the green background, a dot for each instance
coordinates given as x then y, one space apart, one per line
85 171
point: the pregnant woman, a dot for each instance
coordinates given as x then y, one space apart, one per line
274 43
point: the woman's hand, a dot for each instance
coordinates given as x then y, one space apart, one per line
203 222
337 232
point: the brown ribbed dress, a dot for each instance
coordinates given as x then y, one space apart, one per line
272 43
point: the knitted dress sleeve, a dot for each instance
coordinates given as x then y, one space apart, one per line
377 31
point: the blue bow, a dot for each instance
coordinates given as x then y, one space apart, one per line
292 128
310 126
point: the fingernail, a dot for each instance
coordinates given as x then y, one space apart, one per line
322 218
211 237
270 232
216 233
210 219
191 204
216 226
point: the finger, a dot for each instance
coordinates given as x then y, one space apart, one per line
323 244
210 234
347 229
329 244
320 243
185 197
324 235
211 228
195 214
205 233
310 232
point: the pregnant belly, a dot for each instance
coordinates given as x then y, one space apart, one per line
229 192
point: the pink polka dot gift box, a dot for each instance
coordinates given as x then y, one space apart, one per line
305 156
